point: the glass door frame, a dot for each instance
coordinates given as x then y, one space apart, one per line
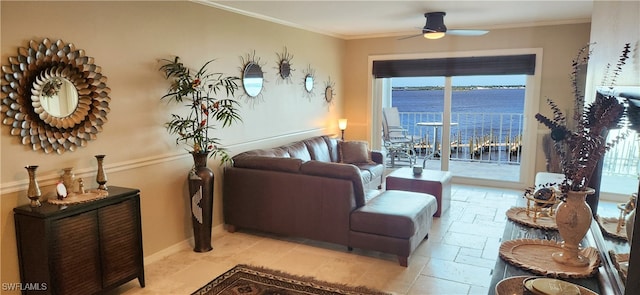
379 91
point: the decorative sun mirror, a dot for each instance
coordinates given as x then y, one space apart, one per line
284 65
54 97
329 91
328 94
309 81
58 96
252 76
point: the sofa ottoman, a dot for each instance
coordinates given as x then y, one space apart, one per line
394 222
436 183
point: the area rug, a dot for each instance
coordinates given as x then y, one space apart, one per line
252 280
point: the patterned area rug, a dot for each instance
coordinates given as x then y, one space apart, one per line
252 280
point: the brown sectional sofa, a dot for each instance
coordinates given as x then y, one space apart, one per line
303 190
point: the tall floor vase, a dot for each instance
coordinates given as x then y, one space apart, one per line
573 218
201 195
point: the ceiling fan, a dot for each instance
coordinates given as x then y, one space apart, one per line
435 28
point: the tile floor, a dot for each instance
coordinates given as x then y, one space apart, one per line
457 258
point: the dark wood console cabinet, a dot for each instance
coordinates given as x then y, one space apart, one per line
81 249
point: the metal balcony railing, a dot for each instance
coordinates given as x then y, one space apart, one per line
497 138
478 137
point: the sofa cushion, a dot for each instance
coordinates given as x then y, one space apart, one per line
354 152
332 143
397 214
337 170
268 163
298 150
376 170
365 175
273 152
318 149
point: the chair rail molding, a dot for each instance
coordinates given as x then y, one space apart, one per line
53 177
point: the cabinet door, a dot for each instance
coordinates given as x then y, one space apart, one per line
75 254
120 242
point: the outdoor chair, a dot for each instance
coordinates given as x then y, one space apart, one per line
396 139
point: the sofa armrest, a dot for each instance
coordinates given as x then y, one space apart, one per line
268 163
378 156
337 170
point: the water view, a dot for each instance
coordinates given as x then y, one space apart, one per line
466 106
489 128
487 121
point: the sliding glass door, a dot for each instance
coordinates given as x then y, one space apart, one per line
467 130
469 125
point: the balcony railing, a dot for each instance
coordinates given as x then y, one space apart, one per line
497 138
479 137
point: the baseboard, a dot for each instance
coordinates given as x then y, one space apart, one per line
182 245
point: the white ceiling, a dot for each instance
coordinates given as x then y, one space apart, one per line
366 19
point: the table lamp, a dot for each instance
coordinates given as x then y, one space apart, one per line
342 124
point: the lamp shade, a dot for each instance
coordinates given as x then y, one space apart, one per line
342 124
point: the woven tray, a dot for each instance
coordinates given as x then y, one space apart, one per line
609 225
617 260
519 215
535 255
72 199
513 286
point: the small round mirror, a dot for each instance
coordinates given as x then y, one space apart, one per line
59 97
308 83
328 94
252 79
285 69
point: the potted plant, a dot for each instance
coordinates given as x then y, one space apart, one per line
580 150
199 91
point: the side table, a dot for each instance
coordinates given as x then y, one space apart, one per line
436 183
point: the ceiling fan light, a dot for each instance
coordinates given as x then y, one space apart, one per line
434 35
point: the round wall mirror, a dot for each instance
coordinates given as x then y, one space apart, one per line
252 79
285 69
56 98
328 94
284 64
308 83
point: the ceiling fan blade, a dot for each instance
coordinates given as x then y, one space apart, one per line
467 32
409 37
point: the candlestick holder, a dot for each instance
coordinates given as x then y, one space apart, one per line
101 177
33 192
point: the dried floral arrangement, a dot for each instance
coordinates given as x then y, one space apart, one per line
582 147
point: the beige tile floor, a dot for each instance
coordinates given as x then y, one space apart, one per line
457 258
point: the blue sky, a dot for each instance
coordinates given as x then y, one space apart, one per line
461 81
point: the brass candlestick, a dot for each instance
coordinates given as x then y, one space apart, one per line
101 177
33 192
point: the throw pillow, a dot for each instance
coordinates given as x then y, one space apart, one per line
354 152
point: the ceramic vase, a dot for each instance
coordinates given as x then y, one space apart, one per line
33 192
101 177
573 218
201 197
68 179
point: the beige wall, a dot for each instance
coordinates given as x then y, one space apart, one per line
614 24
559 44
127 39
